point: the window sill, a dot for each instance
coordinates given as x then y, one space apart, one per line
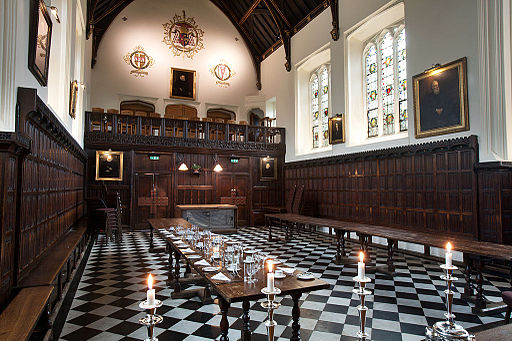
372 140
316 150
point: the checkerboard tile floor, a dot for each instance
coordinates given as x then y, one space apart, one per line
105 305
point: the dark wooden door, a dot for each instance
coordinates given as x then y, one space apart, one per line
234 187
152 196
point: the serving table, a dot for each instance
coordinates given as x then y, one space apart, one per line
236 290
215 217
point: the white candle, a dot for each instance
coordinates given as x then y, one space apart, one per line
151 291
449 254
270 278
360 266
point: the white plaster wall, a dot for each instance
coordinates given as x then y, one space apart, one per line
438 31
24 78
111 79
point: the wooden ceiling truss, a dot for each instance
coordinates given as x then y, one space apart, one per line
264 25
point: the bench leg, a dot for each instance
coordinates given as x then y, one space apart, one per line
391 266
59 286
269 225
224 324
68 269
480 302
468 286
177 286
340 247
363 241
507 315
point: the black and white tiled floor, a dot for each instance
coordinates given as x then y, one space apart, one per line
105 306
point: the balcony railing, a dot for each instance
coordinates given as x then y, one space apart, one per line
100 126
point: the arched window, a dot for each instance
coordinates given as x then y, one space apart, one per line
385 71
319 107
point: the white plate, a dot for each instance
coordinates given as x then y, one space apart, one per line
210 268
276 276
288 271
306 276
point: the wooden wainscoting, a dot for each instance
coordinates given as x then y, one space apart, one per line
428 187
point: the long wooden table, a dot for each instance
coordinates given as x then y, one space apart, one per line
236 290
476 253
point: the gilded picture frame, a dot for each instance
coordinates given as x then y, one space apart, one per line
268 169
183 84
73 97
337 129
40 37
109 165
440 100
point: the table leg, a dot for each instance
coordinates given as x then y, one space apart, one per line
269 225
246 329
188 270
338 246
224 324
363 241
150 237
295 317
177 286
170 275
391 266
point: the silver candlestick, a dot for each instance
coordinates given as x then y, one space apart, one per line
362 308
151 318
270 304
448 330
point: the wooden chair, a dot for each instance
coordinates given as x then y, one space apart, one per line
297 200
288 204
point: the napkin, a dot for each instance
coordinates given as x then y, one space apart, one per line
188 250
287 270
220 277
202 262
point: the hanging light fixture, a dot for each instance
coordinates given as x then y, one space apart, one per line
55 11
183 166
218 168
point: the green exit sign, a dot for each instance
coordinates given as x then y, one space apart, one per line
154 157
234 159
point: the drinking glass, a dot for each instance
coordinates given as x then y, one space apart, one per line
249 266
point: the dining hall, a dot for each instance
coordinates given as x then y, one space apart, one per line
255 170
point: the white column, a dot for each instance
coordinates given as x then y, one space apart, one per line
495 79
7 64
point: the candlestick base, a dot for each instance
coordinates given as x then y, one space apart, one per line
270 305
448 330
151 318
362 308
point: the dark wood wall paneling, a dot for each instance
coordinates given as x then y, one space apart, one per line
42 193
495 201
184 187
430 187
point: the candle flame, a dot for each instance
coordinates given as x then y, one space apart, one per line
449 246
361 256
150 282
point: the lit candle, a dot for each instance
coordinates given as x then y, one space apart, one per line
360 266
151 291
449 254
270 277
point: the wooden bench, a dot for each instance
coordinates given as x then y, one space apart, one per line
18 320
476 253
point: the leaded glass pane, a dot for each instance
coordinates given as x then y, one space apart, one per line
387 81
372 100
314 109
324 102
402 80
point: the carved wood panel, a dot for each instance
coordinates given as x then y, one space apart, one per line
429 187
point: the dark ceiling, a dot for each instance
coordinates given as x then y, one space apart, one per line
264 25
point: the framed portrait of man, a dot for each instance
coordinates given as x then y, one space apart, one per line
183 84
40 37
109 165
440 100
337 129
268 169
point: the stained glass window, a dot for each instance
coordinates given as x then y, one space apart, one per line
385 71
372 101
387 80
314 110
401 54
319 94
324 105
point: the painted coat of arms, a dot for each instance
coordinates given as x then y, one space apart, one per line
183 36
223 73
139 60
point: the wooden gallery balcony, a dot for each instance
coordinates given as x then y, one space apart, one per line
117 129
